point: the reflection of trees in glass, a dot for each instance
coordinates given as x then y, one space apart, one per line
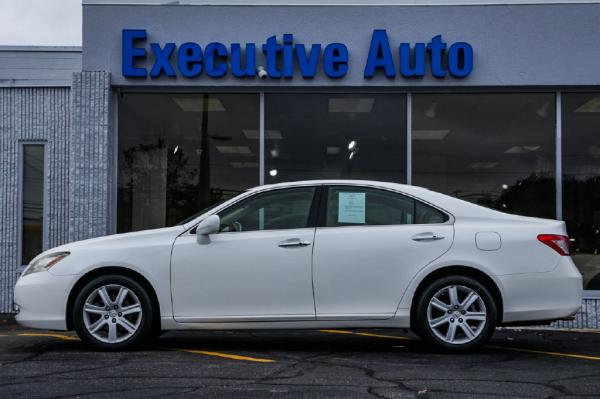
522 198
582 212
142 177
181 191
183 188
582 215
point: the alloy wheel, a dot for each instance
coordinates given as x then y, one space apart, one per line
112 313
456 314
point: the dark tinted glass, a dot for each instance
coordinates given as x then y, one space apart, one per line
347 206
273 210
322 136
581 182
180 153
496 150
33 202
426 214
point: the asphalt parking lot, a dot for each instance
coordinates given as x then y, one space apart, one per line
326 363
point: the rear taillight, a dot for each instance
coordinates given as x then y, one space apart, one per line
557 242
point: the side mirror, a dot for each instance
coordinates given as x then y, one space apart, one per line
210 225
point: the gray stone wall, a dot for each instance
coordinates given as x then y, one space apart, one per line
75 125
91 157
32 114
587 317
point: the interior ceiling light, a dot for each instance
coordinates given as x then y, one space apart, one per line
274 152
175 149
219 137
351 155
542 112
430 112
517 149
254 134
424 134
196 104
483 165
273 172
234 149
352 145
333 150
359 105
244 165
592 105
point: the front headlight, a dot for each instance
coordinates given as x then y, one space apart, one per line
45 262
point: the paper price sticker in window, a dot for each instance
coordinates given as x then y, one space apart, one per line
351 208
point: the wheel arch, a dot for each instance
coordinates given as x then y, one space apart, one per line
105 270
468 271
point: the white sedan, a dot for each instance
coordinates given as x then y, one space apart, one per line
313 254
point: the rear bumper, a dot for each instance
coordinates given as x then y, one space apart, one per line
546 296
41 300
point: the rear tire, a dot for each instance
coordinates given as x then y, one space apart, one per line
456 313
113 312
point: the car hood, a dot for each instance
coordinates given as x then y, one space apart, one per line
168 233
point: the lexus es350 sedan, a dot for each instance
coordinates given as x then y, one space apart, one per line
313 254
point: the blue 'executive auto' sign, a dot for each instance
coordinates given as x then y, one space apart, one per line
282 59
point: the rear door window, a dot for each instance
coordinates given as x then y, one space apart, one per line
355 206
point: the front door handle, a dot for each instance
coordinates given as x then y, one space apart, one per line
293 242
429 236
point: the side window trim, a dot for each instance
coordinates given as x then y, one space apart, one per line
322 216
322 207
314 211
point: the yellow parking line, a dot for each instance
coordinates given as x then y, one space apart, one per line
225 355
364 334
572 355
58 336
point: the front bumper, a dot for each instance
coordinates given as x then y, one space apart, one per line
552 295
41 300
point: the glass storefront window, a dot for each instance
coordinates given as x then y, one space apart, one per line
333 136
32 202
179 153
496 150
581 181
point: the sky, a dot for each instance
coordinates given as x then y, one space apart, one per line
40 22
58 22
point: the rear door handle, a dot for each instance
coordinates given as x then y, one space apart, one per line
427 237
293 242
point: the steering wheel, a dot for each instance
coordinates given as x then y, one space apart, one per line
237 226
234 226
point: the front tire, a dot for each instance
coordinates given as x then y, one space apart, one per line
113 312
456 313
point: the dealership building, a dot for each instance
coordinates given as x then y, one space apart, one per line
169 107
